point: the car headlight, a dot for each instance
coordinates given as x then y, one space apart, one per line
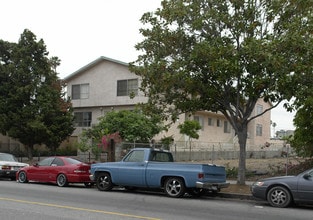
259 183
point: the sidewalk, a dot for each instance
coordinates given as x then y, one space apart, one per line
237 191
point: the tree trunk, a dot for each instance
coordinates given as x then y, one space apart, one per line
30 150
242 139
189 149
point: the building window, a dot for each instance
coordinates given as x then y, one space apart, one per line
218 123
127 87
227 127
210 122
82 119
200 120
258 130
259 109
80 91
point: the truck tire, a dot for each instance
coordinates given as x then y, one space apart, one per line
174 187
104 182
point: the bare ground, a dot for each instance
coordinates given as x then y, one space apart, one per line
256 169
270 166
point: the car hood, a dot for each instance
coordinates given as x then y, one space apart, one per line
13 164
277 178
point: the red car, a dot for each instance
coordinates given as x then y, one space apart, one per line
59 170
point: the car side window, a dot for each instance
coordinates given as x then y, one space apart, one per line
57 162
135 156
46 162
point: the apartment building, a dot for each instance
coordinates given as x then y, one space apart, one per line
105 84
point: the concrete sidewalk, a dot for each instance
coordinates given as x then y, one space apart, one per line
236 195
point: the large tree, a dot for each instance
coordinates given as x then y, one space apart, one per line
223 56
33 106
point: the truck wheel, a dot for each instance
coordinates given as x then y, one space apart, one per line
174 187
279 197
104 182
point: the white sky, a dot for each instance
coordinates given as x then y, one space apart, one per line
80 31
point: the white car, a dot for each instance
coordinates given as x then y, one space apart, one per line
9 165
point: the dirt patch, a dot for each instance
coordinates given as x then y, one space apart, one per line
258 169
238 189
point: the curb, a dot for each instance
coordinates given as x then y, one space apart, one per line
235 196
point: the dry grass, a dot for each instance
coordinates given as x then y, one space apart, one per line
271 166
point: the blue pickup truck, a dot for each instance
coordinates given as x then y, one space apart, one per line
155 169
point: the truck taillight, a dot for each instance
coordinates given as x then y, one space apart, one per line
200 175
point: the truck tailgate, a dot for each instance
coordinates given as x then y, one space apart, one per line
214 173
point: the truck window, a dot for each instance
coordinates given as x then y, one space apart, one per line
135 156
161 156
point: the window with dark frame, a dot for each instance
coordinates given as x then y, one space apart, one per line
210 122
227 127
258 130
82 119
259 109
127 87
218 123
80 91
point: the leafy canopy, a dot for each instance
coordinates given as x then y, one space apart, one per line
224 55
132 126
190 128
33 107
303 140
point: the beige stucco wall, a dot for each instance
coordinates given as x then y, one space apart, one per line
102 80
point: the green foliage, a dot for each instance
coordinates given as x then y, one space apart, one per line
133 126
126 125
68 150
91 140
224 56
34 109
83 144
231 172
190 128
167 142
303 140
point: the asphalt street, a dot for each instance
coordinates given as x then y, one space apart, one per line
34 201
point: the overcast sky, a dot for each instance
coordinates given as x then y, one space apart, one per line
80 31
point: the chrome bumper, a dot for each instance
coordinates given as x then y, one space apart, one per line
211 186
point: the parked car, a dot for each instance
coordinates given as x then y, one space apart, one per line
58 170
284 190
9 165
